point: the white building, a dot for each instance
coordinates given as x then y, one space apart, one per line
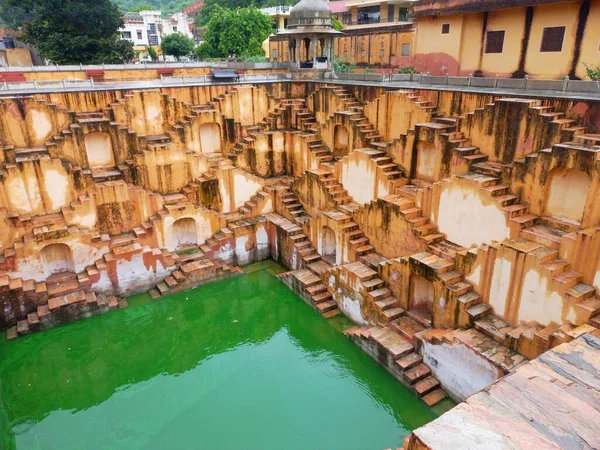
178 23
279 14
143 28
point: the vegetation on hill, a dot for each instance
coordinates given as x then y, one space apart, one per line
171 6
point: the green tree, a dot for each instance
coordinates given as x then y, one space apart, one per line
236 32
177 45
76 31
152 53
337 25
210 6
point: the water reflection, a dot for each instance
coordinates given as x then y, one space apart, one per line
206 354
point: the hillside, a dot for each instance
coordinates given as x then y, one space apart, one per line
166 6
170 6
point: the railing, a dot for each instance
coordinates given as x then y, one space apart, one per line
412 80
524 84
223 64
163 81
372 21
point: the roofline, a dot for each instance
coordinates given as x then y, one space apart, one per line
424 8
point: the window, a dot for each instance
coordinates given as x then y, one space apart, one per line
126 35
139 35
552 39
347 17
494 42
445 28
405 50
174 29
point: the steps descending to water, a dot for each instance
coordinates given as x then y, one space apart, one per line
397 355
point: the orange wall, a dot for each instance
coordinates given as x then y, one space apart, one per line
461 51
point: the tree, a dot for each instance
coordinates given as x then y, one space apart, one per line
76 31
152 53
337 25
177 45
240 32
210 6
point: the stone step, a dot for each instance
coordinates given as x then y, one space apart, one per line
331 313
434 397
393 313
417 373
426 386
409 361
387 303
324 307
478 311
407 328
322 297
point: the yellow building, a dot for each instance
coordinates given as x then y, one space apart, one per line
377 34
537 38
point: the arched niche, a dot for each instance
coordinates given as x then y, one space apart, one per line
341 140
425 161
184 233
421 295
98 147
210 137
57 258
566 193
328 244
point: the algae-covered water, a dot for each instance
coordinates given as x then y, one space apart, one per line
241 363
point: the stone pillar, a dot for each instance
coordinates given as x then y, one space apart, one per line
354 14
383 12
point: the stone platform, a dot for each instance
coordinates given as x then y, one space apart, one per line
552 402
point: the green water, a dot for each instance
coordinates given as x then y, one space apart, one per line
241 363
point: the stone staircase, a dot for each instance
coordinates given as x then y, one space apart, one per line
197 263
400 358
288 204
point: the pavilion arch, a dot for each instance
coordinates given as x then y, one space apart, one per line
341 140
421 295
57 258
210 137
426 155
566 193
184 233
99 149
328 244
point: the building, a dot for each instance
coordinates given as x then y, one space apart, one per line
147 28
310 35
356 14
143 29
279 14
537 38
379 35
178 23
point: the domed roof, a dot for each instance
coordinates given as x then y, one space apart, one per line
310 13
